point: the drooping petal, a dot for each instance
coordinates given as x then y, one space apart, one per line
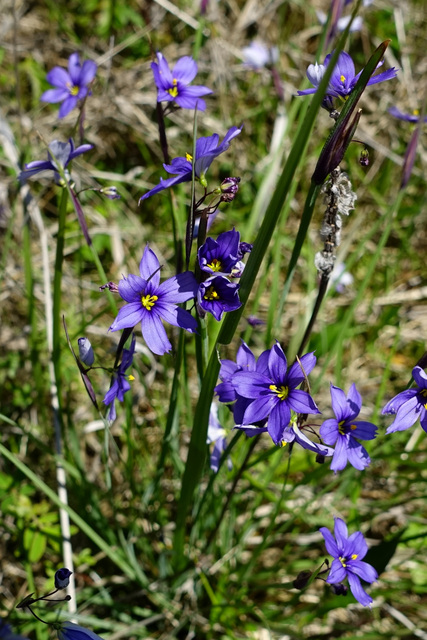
358 591
406 416
128 316
165 184
301 402
357 455
176 316
395 403
339 459
154 334
68 105
279 418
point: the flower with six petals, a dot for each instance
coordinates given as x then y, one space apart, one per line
173 86
409 405
70 86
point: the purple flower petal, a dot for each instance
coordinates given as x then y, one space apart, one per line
149 267
128 316
178 288
132 288
154 334
358 591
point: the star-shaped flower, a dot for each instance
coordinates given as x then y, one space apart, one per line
150 302
348 553
207 149
71 86
343 430
173 86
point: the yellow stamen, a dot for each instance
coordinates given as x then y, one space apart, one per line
342 78
131 378
211 294
215 265
354 556
342 560
341 428
283 443
73 89
353 427
416 112
282 392
173 92
188 157
149 301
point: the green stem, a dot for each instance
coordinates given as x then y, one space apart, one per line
57 280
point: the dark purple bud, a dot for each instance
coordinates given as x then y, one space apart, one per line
409 159
336 146
364 158
339 589
254 321
229 188
302 579
86 353
111 286
62 578
320 459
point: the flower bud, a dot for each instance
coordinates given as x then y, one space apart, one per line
62 578
364 158
339 589
302 579
86 353
229 188
110 192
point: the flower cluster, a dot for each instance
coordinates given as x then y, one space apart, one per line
221 258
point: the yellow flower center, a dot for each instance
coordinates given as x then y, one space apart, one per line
131 378
189 157
416 112
149 301
215 265
342 560
342 78
211 294
354 556
282 392
73 89
174 90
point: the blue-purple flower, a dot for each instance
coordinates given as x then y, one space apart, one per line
207 149
344 77
173 86
7 633
119 381
220 256
59 154
343 430
408 117
348 553
217 294
150 302
409 405
258 55
71 631
274 392
70 86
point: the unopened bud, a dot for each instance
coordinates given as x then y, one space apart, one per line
110 192
86 353
364 158
229 188
244 247
339 589
62 578
302 579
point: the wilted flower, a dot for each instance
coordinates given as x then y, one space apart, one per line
274 392
343 430
71 631
62 578
86 353
150 302
207 149
173 85
344 77
217 294
409 405
119 381
71 86
348 553
258 55
60 155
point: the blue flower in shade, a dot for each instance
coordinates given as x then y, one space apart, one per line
217 436
217 294
7 633
409 117
150 302
343 430
220 256
344 77
409 405
71 631
207 149
119 381
59 153
173 86
348 553
71 86
274 392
